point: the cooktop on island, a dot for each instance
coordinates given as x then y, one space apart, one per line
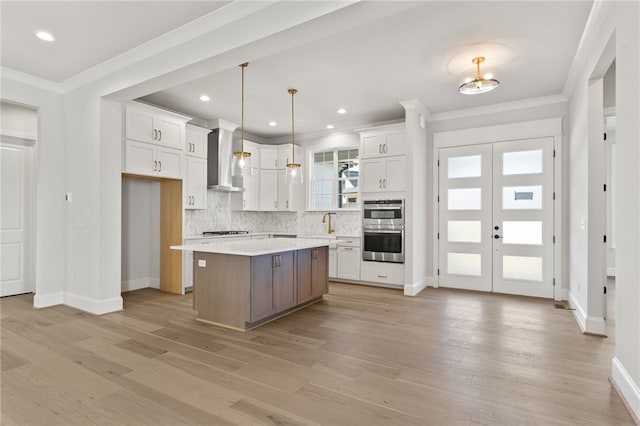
205 233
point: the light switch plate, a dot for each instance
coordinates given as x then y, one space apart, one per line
202 263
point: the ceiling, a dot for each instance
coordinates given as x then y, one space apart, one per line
423 52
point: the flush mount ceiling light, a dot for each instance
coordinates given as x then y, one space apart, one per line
241 159
205 98
330 126
293 173
273 123
43 35
341 111
478 84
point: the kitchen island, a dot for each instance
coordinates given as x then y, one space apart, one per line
246 283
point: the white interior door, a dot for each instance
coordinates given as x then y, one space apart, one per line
15 219
496 217
465 217
523 217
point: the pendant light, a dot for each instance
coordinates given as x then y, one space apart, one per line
479 84
242 160
293 173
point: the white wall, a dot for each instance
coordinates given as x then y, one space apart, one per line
51 235
620 24
140 234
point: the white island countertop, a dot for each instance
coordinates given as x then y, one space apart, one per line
255 247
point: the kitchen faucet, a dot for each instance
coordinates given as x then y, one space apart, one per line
330 230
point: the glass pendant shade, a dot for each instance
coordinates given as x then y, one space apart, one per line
479 84
241 164
293 174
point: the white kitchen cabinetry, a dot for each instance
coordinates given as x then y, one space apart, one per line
150 160
382 142
268 158
268 198
153 144
146 126
348 261
196 141
195 176
391 274
383 174
333 261
285 156
195 183
383 161
248 200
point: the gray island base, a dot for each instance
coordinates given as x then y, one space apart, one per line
244 284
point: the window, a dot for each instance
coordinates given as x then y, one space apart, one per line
334 179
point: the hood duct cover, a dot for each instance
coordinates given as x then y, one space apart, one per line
220 159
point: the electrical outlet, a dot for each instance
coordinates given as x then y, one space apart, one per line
202 263
68 197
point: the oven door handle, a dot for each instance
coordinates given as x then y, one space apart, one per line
387 207
383 231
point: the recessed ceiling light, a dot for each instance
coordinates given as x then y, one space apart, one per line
205 98
273 123
329 126
43 35
341 111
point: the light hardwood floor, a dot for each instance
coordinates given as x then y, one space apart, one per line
363 356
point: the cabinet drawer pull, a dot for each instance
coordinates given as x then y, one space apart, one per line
159 166
382 276
155 166
159 135
384 148
384 183
379 148
348 248
155 134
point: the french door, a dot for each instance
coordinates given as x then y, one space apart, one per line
496 217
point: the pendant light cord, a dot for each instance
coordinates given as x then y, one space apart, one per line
293 147
243 66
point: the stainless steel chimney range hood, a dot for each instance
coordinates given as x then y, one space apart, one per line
220 158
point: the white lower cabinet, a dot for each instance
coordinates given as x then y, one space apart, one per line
333 262
348 260
196 183
382 272
152 160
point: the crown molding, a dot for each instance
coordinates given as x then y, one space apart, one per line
321 133
31 80
497 108
416 104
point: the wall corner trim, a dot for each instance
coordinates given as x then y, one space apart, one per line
626 387
417 287
94 306
46 300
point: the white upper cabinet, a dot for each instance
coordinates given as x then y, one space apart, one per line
383 142
150 127
195 183
268 157
383 161
196 141
153 143
285 156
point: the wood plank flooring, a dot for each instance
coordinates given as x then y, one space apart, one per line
363 356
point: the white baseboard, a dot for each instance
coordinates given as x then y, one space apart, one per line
563 294
611 272
46 300
588 324
93 306
626 386
415 288
578 313
138 283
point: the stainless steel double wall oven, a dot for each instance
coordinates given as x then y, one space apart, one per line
383 231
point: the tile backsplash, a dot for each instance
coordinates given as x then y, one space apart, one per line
220 217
